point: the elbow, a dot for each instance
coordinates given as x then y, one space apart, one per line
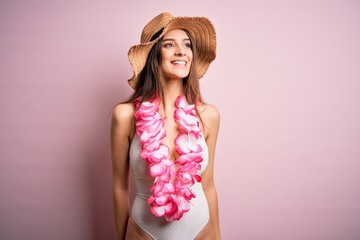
209 187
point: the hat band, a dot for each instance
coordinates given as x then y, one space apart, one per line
156 35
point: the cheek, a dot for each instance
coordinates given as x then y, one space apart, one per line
162 54
165 55
190 55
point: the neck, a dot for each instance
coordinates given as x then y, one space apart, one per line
172 89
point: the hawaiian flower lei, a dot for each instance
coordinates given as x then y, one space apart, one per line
171 190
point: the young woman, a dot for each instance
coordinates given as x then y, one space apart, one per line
167 135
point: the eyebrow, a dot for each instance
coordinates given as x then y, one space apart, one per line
172 39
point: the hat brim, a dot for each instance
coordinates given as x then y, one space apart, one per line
201 30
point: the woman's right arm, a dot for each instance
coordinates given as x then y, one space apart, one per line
121 125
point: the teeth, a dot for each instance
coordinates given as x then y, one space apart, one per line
179 62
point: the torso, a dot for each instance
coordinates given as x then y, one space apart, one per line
193 221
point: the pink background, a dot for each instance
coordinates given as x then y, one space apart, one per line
286 80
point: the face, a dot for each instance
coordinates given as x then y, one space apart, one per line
176 55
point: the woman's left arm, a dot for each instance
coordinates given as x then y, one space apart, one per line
211 118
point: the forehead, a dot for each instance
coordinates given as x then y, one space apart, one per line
176 34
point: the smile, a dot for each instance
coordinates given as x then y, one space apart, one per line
179 62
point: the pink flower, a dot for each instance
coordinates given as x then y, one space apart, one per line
190 157
171 190
156 155
186 143
157 169
181 103
187 122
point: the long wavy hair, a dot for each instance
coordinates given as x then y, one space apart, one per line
149 84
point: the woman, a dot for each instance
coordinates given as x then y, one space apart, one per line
167 135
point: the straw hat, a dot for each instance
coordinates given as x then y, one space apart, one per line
200 29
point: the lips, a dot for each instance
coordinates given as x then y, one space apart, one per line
179 62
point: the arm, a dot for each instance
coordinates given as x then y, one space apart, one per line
121 123
211 118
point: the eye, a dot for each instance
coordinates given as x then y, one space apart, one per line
188 45
167 45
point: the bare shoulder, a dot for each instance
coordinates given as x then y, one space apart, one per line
123 113
209 113
210 116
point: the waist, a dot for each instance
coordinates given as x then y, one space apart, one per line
197 187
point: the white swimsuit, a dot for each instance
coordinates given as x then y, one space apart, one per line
191 223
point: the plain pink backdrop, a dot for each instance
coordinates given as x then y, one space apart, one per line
286 80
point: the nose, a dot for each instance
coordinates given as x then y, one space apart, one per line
180 51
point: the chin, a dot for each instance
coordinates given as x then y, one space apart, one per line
177 76
183 74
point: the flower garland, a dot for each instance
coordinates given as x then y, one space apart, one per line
171 190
